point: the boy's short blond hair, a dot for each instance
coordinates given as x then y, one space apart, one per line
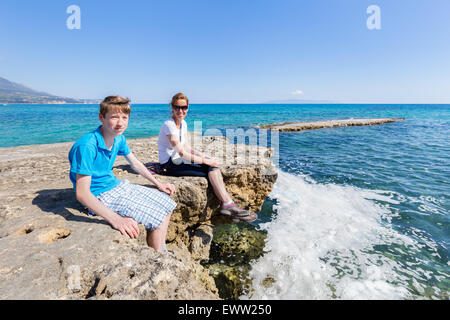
115 104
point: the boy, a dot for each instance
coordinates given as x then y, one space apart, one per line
122 204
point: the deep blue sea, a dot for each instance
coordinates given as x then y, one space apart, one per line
356 212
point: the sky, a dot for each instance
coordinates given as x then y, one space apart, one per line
230 51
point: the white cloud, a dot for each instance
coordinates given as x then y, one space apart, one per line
297 92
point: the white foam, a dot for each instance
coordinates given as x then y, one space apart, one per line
320 245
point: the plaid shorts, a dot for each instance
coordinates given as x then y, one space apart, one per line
145 205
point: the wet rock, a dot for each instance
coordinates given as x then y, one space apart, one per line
237 244
233 247
231 282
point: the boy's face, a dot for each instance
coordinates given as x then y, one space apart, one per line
114 123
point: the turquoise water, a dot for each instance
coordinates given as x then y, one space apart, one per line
39 124
357 212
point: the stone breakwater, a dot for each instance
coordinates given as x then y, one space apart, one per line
50 248
300 126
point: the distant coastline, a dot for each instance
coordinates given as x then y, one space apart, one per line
16 93
12 93
49 103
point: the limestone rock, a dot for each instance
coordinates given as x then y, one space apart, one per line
233 247
300 126
50 248
237 244
231 281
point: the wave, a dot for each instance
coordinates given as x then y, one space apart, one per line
323 244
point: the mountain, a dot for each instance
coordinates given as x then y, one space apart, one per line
11 92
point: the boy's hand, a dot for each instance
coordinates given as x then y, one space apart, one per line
127 226
167 188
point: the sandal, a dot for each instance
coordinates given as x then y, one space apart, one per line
237 214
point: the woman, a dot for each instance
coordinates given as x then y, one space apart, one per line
177 158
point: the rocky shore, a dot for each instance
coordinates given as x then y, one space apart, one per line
300 126
50 248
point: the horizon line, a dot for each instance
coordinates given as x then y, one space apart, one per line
248 103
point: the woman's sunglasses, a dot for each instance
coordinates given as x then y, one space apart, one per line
184 108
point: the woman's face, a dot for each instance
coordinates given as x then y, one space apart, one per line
179 109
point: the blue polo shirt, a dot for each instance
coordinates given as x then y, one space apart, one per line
89 156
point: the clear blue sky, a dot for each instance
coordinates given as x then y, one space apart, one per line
231 50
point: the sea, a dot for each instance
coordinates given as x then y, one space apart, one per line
357 212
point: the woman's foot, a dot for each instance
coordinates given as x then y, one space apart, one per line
237 214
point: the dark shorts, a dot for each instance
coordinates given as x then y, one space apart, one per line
186 169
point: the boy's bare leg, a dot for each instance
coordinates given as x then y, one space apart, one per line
215 177
165 226
156 238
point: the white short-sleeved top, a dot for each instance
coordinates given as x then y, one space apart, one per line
165 149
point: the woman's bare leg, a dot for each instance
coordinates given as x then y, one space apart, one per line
215 177
238 214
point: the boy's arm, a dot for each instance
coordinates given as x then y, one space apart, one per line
127 226
140 168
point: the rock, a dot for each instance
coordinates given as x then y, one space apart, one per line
201 242
232 282
233 247
300 126
237 244
51 249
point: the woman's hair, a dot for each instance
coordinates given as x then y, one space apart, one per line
115 104
179 96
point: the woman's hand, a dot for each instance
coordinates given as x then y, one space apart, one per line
212 162
167 188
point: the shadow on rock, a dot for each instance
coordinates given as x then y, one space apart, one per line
59 201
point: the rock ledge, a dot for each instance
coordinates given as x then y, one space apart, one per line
50 248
